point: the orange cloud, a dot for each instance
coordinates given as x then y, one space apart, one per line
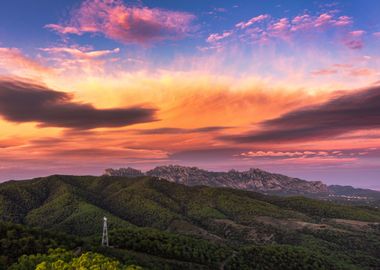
14 61
22 101
343 114
358 72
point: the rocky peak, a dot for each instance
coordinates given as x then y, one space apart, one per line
127 172
253 179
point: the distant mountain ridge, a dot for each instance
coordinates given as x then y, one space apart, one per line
252 180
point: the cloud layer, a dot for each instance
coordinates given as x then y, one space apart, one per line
126 24
264 28
350 112
22 101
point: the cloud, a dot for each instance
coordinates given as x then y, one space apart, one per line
359 72
354 44
13 59
216 37
280 26
307 22
168 130
357 33
22 101
283 153
263 28
354 40
350 112
63 29
126 24
343 21
243 25
346 69
80 53
308 153
76 60
324 71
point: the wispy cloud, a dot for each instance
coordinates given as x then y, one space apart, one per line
263 28
216 37
80 53
259 18
324 71
13 59
346 70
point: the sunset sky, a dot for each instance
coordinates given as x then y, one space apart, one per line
287 86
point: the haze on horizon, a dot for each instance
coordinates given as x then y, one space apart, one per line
286 86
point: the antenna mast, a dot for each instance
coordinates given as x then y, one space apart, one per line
105 233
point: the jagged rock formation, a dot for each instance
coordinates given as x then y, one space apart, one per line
127 172
253 179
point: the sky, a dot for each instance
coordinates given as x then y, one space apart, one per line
291 87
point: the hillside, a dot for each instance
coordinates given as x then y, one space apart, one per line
157 224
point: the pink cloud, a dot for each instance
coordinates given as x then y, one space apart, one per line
323 19
126 24
13 59
343 21
280 26
302 22
78 53
361 72
342 65
324 72
287 28
353 40
63 29
306 21
307 157
253 20
354 44
216 37
376 34
357 33
344 69
289 153
301 18
272 154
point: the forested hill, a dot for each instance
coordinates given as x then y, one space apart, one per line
159 224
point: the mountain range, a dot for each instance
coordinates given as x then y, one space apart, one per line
254 180
164 225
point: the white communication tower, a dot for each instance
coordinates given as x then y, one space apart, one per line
105 233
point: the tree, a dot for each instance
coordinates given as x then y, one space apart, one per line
60 259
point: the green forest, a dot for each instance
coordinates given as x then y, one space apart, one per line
56 223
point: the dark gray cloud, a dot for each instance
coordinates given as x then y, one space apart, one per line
348 112
22 101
